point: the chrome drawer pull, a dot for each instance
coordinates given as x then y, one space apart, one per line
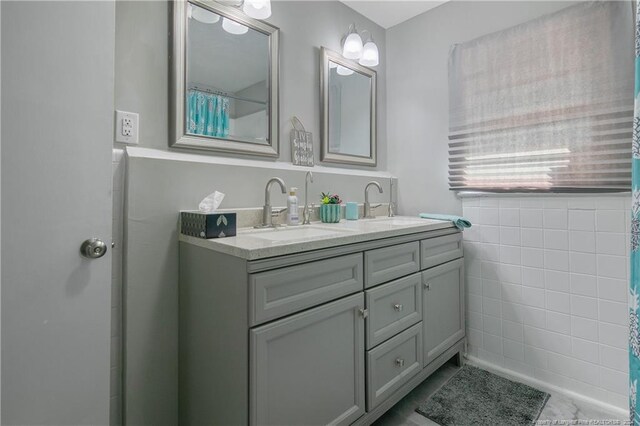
399 362
398 307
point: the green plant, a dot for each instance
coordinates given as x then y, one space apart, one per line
330 199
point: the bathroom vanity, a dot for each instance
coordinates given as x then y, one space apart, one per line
317 324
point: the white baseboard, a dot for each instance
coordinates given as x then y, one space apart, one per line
616 412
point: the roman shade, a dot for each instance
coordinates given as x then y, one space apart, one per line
546 106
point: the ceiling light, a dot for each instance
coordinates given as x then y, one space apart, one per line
202 15
233 27
370 57
259 9
352 48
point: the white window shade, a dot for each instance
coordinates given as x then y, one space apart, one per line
545 106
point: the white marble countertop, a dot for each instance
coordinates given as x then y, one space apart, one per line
253 244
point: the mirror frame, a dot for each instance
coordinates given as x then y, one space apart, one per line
179 138
333 157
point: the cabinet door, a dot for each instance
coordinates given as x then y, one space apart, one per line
443 308
309 368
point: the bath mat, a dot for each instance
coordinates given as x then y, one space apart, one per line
477 397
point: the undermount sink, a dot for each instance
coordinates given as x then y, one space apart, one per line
295 234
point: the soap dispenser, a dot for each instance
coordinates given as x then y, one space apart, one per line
293 217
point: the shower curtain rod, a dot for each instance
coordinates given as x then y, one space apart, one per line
225 94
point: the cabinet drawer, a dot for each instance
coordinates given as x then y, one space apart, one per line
392 364
436 251
389 263
274 294
392 308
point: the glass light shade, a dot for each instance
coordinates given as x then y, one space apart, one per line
370 57
233 27
352 48
258 9
203 15
344 70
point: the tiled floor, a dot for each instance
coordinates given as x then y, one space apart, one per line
558 407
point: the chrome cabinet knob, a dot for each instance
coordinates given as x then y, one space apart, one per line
398 307
93 248
399 362
363 312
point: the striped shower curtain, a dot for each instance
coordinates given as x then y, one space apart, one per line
207 114
634 283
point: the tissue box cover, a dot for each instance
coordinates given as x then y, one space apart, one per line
208 225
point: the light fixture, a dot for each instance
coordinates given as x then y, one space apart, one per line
202 15
259 9
352 47
370 56
232 27
344 70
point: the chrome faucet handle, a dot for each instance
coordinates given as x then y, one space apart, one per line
306 214
392 205
375 207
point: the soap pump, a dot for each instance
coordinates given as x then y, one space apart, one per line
293 217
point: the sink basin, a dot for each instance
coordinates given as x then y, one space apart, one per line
295 234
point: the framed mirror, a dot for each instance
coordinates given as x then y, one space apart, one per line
224 83
348 93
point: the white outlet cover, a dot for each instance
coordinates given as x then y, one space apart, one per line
127 134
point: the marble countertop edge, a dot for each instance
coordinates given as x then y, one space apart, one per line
244 245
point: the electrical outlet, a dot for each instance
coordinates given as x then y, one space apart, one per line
127 127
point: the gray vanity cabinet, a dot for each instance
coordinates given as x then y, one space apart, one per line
443 307
336 335
309 368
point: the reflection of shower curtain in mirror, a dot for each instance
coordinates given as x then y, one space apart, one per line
207 114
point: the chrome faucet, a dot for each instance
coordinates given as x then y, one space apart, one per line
392 205
306 213
267 214
367 206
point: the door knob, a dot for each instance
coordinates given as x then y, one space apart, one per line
93 248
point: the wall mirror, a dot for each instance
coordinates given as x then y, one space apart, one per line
348 93
225 80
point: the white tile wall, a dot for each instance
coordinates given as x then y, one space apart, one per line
116 287
547 290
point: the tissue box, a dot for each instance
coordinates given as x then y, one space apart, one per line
208 225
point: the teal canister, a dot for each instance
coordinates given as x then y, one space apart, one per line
351 212
330 213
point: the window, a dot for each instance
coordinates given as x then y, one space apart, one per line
546 106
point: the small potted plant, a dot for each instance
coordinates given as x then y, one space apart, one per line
330 209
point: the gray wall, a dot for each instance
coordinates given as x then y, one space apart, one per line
417 95
142 58
157 189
